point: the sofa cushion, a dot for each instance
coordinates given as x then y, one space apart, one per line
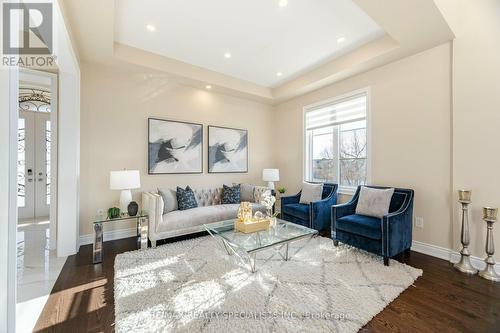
169 200
300 211
310 193
230 195
361 225
374 201
198 216
185 198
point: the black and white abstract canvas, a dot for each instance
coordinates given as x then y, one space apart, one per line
227 150
175 147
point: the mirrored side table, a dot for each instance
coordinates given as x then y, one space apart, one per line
142 232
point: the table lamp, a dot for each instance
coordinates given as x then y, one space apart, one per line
270 176
124 180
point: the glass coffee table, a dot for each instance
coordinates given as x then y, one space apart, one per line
246 246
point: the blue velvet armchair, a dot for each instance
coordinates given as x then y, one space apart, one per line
387 236
316 215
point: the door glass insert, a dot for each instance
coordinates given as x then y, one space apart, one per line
21 162
47 160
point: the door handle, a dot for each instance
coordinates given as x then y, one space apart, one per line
40 179
30 180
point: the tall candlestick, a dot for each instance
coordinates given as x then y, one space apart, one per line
464 265
490 216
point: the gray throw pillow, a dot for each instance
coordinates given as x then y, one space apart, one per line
311 193
374 201
246 192
169 200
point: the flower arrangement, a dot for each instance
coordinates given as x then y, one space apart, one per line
268 200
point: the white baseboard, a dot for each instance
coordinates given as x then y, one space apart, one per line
447 254
109 235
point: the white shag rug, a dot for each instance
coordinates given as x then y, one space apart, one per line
194 286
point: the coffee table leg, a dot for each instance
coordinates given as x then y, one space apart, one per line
227 247
286 252
97 247
253 260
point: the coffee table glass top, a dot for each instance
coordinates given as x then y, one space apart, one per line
282 232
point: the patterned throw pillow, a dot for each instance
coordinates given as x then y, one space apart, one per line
186 198
230 195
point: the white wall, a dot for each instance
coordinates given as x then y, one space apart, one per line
410 134
476 113
69 139
8 203
116 104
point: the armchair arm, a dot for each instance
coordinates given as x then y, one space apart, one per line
291 199
338 211
397 229
320 212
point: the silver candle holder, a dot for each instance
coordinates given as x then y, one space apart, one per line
490 216
464 265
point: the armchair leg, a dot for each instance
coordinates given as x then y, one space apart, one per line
386 261
153 244
335 242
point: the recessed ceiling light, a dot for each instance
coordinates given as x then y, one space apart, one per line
283 3
279 74
208 87
150 27
340 40
227 55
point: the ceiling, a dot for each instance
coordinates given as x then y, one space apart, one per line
298 40
270 41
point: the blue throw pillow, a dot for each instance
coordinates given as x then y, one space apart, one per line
230 195
186 198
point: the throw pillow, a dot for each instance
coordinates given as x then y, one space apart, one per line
246 192
169 200
186 198
311 193
230 195
374 201
258 192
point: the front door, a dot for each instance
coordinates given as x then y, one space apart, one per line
33 171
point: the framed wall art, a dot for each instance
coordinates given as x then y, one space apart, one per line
174 147
227 150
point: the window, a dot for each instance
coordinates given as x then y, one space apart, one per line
336 142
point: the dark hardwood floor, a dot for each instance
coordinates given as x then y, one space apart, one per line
442 300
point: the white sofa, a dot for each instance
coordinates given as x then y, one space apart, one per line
183 222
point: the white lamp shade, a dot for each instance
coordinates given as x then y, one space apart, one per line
124 180
270 175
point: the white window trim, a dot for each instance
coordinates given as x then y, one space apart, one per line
345 190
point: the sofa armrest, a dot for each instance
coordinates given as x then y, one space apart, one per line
291 199
152 203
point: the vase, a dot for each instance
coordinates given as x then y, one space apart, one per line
132 208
